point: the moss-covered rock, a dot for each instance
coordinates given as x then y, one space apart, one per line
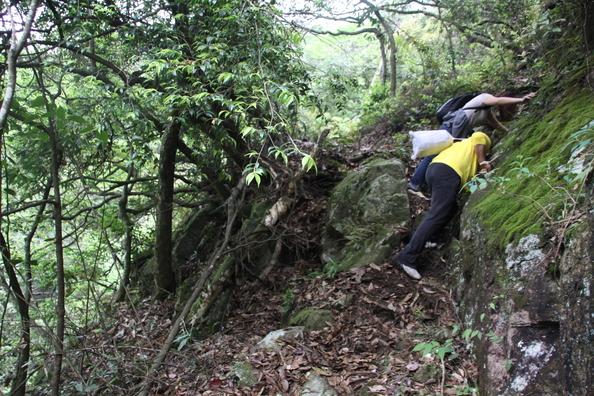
366 210
253 232
543 160
311 318
427 373
243 372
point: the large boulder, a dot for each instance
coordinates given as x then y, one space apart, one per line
366 211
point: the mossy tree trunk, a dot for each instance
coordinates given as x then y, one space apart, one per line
165 277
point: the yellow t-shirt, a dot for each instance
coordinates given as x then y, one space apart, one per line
461 156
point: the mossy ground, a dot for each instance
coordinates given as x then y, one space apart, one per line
530 189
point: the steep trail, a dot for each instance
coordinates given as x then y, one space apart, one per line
359 338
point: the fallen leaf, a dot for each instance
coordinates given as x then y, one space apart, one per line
375 267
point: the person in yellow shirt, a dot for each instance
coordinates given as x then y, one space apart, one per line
450 170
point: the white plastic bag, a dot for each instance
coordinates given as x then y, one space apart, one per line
427 143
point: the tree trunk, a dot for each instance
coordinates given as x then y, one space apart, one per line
19 382
391 44
16 46
451 50
60 304
128 226
165 277
15 49
384 70
20 379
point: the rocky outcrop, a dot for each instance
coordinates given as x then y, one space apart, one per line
534 314
366 211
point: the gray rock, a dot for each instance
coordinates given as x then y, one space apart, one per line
317 386
365 212
539 320
273 340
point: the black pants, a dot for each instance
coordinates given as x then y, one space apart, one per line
444 183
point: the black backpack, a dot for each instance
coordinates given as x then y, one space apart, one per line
456 103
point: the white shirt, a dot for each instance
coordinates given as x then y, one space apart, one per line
477 117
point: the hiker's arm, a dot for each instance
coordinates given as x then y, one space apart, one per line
481 154
491 100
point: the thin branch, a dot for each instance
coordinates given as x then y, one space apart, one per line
13 53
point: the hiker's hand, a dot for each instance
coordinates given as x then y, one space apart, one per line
528 97
486 166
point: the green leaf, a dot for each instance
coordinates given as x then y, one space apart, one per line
103 136
248 130
38 102
286 98
455 330
307 162
251 177
225 77
420 347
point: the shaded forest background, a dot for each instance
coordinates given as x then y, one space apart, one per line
120 119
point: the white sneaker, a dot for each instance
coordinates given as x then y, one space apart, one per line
411 272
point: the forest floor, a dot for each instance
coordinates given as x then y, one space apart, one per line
379 316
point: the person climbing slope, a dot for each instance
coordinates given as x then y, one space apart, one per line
477 112
448 171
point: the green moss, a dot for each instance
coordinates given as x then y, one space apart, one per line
244 373
311 318
531 190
